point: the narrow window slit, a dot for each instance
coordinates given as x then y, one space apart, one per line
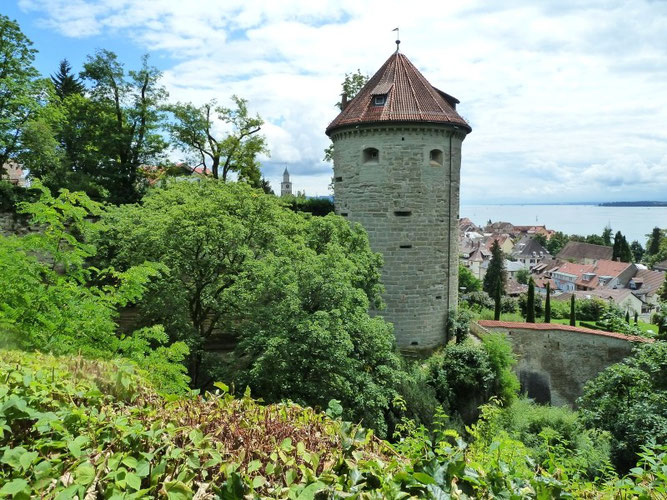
403 213
405 246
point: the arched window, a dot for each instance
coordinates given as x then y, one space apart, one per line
435 157
371 155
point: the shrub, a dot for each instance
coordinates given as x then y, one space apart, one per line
629 399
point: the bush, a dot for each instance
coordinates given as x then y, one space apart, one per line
48 300
629 399
591 309
464 376
478 300
554 437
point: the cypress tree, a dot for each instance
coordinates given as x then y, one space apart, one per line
626 252
653 245
530 302
496 276
547 305
627 317
636 317
573 318
618 242
496 312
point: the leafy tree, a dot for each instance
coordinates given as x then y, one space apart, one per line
468 281
530 308
595 239
315 206
629 399
637 251
292 292
20 90
64 82
573 315
547 305
126 119
194 128
496 276
351 86
556 243
49 300
522 276
606 236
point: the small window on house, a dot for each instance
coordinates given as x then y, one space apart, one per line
371 155
380 100
435 157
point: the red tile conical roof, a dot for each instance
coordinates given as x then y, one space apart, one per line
409 98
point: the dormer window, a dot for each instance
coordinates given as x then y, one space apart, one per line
380 100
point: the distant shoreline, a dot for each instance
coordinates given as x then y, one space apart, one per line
634 204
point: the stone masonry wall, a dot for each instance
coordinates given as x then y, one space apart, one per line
555 361
409 205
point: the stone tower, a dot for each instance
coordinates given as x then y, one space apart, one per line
397 161
285 185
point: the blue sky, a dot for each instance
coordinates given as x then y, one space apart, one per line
566 98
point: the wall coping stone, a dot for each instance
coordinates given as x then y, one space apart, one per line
487 323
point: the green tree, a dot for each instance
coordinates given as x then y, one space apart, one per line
522 276
530 308
629 399
20 89
547 305
497 303
637 251
496 276
653 242
621 249
352 84
467 281
556 243
52 300
292 291
64 82
126 117
606 236
573 314
193 131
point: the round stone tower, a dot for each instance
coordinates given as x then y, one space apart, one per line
397 161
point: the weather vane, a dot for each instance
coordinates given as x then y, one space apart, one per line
398 38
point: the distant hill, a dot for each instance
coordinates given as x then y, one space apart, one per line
634 204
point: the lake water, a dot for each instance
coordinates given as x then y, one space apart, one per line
634 222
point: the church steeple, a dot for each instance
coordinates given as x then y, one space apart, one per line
286 185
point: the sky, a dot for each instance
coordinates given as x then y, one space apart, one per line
567 99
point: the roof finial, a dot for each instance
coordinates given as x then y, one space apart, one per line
398 36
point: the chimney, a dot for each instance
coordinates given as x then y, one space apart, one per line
343 102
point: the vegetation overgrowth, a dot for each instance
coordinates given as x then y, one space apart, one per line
75 428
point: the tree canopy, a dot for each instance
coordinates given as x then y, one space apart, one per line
496 276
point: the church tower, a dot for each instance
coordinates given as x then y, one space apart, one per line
397 161
286 185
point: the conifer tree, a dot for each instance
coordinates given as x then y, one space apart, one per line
627 317
495 277
653 244
547 305
530 305
618 241
573 318
64 82
498 300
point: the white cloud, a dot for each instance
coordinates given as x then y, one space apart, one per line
562 96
